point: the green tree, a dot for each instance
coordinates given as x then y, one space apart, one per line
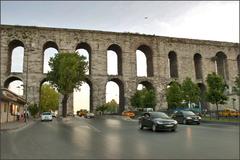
237 85
111 106
190 91
174 95
136 100
67 73
49 98
33 109
215 91
102 108
144 99
149 98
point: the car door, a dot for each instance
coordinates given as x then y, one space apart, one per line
146 120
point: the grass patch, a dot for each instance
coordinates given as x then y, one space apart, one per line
221 119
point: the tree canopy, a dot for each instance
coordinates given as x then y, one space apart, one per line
237 85
174 95
216 90
49 98
190 91
145 98
67 73
109 107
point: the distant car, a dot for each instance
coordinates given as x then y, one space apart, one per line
70 114
89 115
130 114
82 112
46 116
186 117
148 110
157 121
53 114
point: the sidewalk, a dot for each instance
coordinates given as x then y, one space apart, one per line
16 124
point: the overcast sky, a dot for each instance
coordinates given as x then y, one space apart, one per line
198 20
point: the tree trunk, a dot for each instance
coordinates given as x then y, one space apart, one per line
64 105
217 111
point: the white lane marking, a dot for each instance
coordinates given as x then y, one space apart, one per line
94 128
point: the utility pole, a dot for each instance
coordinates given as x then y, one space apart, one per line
27 80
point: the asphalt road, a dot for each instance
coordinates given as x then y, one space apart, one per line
115 138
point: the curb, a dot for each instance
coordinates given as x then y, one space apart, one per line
20 126
224 123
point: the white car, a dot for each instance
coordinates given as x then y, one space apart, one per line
89 115
46 116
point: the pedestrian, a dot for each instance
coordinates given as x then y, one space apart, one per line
18 116
25 116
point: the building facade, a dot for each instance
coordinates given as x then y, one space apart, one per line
10 105
167 59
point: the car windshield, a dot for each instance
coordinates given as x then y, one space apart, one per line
188 113
159 115
46 113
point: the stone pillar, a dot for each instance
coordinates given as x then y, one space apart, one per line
98 92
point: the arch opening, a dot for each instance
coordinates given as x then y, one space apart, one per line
82 98
173 66
198 65
221 64
115 91
145 85
15 85
49 97
114 60
84 49
16 56
50 49
144 59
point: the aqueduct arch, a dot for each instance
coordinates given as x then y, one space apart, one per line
167 59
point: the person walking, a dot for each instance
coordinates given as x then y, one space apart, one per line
25 116
18 116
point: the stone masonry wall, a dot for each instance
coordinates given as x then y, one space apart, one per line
34 38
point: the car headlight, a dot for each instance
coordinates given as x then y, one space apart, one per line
189 118
175 122
199 117
159 122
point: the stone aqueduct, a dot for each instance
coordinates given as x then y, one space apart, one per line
167 59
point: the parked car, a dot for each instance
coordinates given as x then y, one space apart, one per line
46 116
130 114
89 115
157 121
186 117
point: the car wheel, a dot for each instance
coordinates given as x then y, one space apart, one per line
154 129
184 121
173 130
140 125
198 123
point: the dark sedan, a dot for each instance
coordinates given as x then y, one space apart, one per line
186 117
157 121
